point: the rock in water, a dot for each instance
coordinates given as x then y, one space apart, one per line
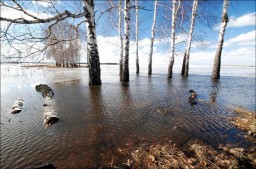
191 91
161 110
18 106
45 90
192 97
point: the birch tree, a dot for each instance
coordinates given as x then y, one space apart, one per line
92 47
120 36
175 8
185 65
137 38
88 15
125 71
63 51
152 39
217 60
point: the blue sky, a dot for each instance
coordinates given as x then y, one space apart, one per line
239 45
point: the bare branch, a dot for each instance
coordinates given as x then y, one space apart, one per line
61 16
140 7
25 12
106 11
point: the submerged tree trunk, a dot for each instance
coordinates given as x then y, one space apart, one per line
185 65
137 39
152 40
92 47
175 8
120 36
125 72
217 60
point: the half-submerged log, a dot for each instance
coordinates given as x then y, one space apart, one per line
50 118
18 106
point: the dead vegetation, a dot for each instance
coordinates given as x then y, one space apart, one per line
194 155
246 121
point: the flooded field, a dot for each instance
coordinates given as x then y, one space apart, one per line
95 121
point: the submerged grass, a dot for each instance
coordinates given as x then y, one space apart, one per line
246 121
195 154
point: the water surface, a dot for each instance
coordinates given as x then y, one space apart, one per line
95 121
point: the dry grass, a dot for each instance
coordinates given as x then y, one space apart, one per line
245 120
194 155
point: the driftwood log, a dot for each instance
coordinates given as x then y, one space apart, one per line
18 106
50 118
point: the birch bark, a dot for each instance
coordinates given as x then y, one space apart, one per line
120 36
152 40
125 72
185 65
137 39
92 47
175 8
217 60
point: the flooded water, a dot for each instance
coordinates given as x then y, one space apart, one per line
95 121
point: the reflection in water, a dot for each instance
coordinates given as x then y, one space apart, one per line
96 126
97 120
127 101
215 88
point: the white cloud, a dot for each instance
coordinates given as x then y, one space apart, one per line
200 44
109 50
16 29
239 56
15 14
43 3
110 53
181 38
245 39
202 58
8 53
242 21
243 52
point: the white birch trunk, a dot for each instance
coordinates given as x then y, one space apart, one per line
92 47
175 8
120 36
137 39
125 72
152 40
185 66
217 60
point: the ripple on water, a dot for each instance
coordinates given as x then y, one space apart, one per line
97 120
